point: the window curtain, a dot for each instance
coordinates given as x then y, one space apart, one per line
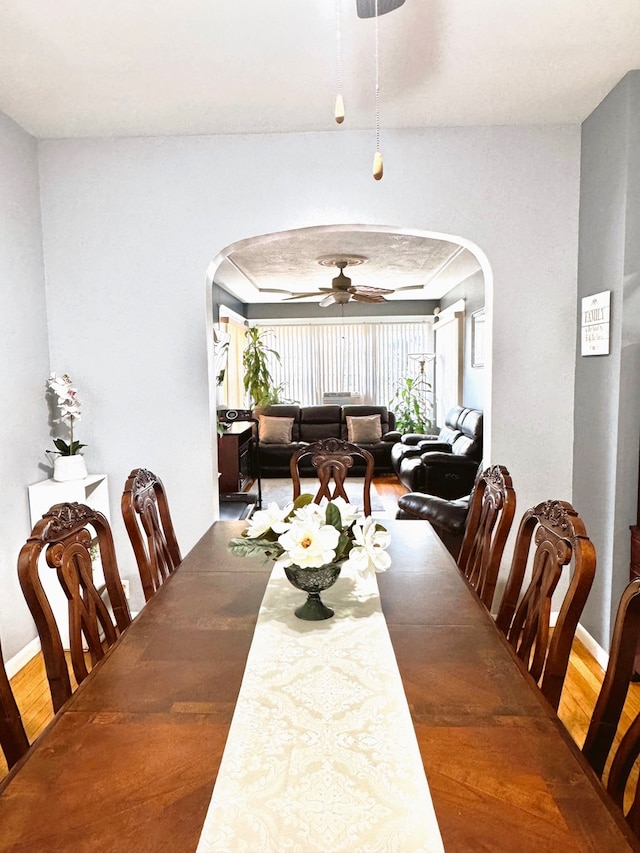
366 358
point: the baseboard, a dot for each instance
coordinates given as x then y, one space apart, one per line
592 647
22 658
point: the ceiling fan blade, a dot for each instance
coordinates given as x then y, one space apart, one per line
409 287
328 300
303 295
367 8
368 297
365 290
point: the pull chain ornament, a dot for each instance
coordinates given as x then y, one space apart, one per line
339 108
377 157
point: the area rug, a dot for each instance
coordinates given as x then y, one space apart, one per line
281 491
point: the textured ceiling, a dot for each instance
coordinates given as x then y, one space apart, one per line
281 265
75 68
72 68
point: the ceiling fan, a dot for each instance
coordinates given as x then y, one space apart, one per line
342 290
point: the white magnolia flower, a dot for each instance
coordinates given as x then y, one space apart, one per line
270 518
312 513
369 547
308 544
348 512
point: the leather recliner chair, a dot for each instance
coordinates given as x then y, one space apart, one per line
448 518
445 469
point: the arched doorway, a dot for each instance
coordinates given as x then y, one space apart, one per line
258 276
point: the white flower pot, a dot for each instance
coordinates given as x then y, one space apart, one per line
69 468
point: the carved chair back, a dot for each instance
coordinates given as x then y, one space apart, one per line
13 738
145 510
65 535
554 536
608 710
491 510
333 458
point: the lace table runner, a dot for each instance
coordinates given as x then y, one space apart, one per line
321 753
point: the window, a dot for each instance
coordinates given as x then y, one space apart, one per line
363 356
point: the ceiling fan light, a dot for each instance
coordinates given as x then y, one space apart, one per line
367 8
341 298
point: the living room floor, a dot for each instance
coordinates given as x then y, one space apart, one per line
389 489
387 486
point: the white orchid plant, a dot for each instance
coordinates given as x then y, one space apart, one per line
69 407
310 535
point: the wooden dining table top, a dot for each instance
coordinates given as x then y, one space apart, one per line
129 763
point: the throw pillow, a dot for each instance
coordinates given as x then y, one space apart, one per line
275 430
364 430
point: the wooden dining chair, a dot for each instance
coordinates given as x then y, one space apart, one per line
13 738
145 510
65 536
606 715
553 535
491 510
332 459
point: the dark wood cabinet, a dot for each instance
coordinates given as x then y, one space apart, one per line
235 458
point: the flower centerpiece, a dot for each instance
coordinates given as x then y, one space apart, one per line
312 542
68 406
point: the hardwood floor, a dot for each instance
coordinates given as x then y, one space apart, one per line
580 692
31 689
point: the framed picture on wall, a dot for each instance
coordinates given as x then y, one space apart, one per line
477 338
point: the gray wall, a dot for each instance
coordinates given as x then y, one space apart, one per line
24 353
130 227
607 390
397 308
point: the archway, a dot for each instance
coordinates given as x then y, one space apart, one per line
274 242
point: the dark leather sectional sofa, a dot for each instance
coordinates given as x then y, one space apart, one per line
311 423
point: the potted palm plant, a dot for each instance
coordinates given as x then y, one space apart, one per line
412 404
258 381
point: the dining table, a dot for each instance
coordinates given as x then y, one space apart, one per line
139 759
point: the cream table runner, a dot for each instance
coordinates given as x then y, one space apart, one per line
321 753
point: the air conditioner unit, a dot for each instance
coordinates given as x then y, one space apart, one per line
341 398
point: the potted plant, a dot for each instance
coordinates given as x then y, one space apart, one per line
311 542
412 404
258 382
69 463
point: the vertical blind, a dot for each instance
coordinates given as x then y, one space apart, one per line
367 358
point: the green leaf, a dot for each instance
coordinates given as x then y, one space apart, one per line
343 547
243 547
333 516
302 500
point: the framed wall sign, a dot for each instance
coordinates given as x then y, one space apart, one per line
595 323
477 338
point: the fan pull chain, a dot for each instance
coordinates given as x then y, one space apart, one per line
339 109
377 157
